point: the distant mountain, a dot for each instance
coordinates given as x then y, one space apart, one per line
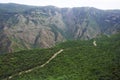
25 27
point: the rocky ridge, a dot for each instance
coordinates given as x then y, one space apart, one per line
26 27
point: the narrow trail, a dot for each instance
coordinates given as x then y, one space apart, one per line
94 43
37 67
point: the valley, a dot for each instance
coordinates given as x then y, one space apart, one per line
51 43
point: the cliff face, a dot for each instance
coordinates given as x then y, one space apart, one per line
86 23
35 27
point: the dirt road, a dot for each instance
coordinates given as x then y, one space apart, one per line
37 67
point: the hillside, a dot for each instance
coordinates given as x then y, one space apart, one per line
79 60
26 27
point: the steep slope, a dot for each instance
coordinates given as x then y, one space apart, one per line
34 28
79 60
87 23
26 27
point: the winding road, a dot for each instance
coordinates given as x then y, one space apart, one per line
37 67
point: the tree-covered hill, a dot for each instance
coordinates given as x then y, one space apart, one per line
79 60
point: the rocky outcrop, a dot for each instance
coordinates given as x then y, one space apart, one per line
43 27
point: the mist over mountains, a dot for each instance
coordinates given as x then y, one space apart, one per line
26 27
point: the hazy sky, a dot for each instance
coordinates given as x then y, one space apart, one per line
101 4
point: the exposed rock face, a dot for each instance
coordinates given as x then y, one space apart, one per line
35 27
86 23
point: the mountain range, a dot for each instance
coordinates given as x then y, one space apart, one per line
27 27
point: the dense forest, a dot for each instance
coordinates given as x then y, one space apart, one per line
80 60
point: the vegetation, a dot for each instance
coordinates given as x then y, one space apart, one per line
23 60
80 60
11 7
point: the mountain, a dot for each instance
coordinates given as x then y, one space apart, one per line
26 27
70 60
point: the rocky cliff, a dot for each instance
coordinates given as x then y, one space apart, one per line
26 27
